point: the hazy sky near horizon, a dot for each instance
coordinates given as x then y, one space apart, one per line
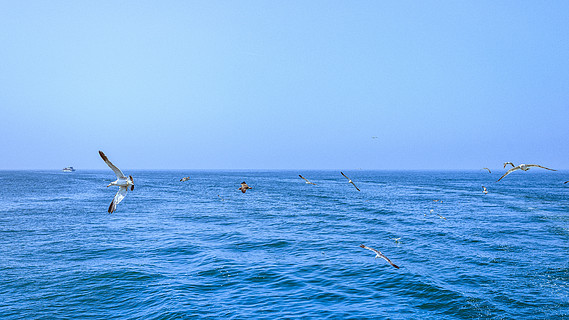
284 84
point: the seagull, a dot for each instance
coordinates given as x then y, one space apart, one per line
485 190
441 201
378 254
350 181
123 182
396 239
221 198
507 163
524 167
244 187
488 170
433 211
185 179
307 182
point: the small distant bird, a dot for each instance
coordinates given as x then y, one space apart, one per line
123 182
221 198
244 187
350 181
441 201
378 254
433 211
374 137
524 167
396 239
488 170
307 182
507 163
185 179
485 190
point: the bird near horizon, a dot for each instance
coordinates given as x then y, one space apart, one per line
508 163
350 181
244 187
485 190
185 179
488 170
123 182
307 182
378 254
523 167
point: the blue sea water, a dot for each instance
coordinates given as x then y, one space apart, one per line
284 249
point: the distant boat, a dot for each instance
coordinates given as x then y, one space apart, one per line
68 169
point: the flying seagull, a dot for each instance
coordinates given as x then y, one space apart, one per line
185 179
507 163
488 170
123 182
524 167
307 182
378 254
441 201
485 190
221 198
350 181
244 187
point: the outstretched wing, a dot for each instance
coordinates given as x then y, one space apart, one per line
356 186
344 175
488 170
117 199
565 182
537 165
508 172
116 170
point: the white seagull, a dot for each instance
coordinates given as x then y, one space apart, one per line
485 190
524 167
185 179
123 182
378 254
307 182
350 181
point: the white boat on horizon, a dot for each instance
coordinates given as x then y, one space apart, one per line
68 169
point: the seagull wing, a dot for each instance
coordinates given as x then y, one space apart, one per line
487 169
507 163
116 170
509 171
355 186
344 175
117 199
537 165
565 182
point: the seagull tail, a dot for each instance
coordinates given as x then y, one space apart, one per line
112 207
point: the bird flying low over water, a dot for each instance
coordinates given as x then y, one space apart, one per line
441 201
488 170
485 190
350 181
307 182
185 179
507 163
524 167
244 187
378 254
123 182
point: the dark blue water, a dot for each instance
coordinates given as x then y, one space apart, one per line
284 249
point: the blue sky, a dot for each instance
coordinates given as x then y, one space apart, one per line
284 84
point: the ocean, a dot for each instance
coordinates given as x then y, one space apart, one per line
201 249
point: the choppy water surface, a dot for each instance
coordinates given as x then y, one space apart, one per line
284 249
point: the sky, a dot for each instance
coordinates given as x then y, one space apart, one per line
284 84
